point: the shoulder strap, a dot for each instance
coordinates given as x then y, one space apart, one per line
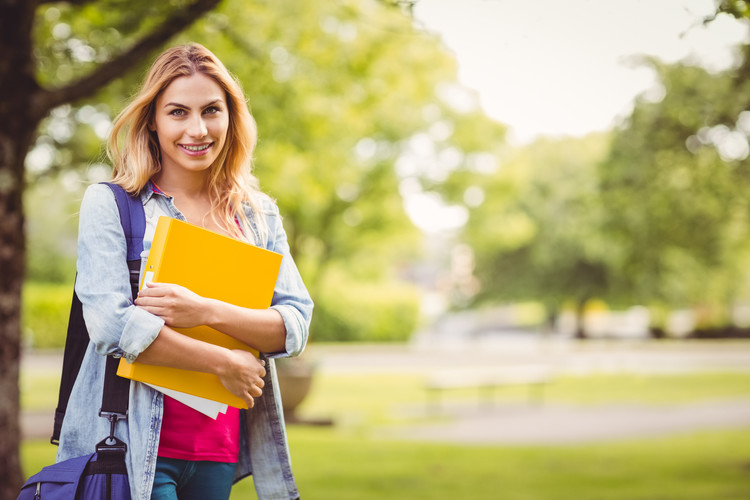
133 222
132 218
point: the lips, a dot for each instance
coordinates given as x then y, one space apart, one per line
196 149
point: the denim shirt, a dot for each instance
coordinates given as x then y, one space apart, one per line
118 328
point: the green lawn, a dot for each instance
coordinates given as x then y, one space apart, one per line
348 460
333 465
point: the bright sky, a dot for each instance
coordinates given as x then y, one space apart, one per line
560 67
557 67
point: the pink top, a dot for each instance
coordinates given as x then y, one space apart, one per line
188 434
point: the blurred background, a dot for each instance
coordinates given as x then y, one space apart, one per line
525 226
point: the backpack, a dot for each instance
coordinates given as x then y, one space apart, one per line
102 474
98 476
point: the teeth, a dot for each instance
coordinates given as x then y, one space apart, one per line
196 148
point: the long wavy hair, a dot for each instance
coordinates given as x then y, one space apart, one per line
134 150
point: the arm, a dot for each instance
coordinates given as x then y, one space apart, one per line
239 371
262 329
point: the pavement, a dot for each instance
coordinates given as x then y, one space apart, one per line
521 423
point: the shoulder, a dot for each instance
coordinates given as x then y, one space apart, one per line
266 206
99 198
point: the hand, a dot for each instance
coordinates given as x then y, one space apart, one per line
243 376
175 304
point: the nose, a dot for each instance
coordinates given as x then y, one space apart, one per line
197 127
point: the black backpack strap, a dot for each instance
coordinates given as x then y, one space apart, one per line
133 222
76 341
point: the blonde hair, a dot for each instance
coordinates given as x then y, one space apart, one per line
231 182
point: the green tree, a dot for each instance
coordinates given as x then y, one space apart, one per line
674 184
538 237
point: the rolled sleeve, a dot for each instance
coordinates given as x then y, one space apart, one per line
296 329
290 298
115 325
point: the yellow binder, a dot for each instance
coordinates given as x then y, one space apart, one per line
214 266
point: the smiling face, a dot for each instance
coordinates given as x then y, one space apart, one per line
191 120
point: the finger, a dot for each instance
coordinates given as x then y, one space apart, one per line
143 300
157 311
153 308
255 391
151 292
249 401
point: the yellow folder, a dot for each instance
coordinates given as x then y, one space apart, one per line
214 266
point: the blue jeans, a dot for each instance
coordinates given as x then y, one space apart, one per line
190 480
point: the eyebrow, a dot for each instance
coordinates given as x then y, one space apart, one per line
178 105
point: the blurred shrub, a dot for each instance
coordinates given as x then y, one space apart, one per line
373 312
44 314
52 228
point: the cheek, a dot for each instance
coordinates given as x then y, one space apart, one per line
164 131
221 130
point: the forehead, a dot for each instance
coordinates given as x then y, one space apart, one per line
194 89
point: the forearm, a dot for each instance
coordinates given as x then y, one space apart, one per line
174 350
239 371
262 329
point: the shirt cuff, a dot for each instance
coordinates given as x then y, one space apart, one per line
296 331
140 330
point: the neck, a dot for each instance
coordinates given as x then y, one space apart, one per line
190 186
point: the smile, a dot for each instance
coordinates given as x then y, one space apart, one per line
196 149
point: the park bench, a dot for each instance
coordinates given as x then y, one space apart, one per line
488 380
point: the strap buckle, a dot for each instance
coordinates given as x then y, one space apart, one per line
111 442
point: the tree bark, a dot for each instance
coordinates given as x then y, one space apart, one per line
581 319
23 104
17 86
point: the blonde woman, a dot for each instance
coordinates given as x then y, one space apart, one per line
184 145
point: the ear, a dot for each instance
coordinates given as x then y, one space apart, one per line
151 126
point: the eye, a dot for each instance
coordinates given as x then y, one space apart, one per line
177 112
211 110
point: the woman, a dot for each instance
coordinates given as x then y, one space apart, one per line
184 144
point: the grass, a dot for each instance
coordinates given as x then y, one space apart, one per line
334 465
348 460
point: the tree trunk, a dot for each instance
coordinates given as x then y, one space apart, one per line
580 317
11 278
17 126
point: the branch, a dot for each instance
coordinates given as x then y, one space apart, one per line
70 2
105 73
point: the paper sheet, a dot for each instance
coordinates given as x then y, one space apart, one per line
203 405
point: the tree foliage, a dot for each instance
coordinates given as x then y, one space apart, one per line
675 184
655 214
538 236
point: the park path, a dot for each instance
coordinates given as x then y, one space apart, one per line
523 423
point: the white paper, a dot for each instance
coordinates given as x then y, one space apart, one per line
148 277
206 406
